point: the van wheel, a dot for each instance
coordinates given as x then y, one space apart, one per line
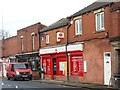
8 77
23 79
30 78
13 78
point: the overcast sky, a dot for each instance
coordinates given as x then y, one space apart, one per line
18 14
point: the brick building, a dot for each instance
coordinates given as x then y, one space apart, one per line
10 46
23 47
85 45
52 51
98 24
28 43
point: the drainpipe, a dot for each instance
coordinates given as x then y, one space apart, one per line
39 44
39 41
67 42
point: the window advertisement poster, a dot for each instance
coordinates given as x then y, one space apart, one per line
63 67
44 64
48 65
77 65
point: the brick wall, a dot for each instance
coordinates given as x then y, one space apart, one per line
10 46
53 37
27 37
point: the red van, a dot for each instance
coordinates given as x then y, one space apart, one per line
19 70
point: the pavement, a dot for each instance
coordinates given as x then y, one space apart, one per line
79 85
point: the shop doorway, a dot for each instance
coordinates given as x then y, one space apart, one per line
54 68
118 60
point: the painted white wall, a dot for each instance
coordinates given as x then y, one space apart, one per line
75 47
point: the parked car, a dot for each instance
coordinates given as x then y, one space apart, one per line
19 70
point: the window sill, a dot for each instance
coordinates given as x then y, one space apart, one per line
79 35
47 43
57 41
99 31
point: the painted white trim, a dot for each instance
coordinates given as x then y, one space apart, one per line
52 50
75 47
85 66
21 36
58 49
32 33
28 53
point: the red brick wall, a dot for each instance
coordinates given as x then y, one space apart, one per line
115 24
93 53
89 27
53 37
95 43
27 37
10 46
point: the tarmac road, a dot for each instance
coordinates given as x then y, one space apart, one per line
36 85
9 84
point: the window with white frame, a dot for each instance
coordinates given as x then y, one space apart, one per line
22 47
100 21
78 26
47 39
33 42
58 40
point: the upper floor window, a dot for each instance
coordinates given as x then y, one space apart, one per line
100 21
47 39
22 47
78 26
33 40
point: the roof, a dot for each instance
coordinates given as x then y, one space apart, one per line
29 26
93 6
60 23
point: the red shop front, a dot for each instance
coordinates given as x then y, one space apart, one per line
54 65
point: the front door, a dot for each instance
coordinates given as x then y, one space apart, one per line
107 68
54 68
118 60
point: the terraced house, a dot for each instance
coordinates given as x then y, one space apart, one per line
83 47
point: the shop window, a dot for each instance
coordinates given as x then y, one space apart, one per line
77 65
48 65
34 63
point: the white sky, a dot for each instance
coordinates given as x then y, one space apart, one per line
18 14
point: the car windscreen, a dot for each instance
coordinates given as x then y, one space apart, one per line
20 66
